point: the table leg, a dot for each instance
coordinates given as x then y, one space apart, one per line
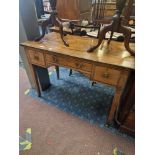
36 81
57 71
118 94
70 72
115 103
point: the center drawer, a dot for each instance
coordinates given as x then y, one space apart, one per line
106 75
75 63
68 62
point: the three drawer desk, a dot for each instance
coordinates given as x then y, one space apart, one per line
111 65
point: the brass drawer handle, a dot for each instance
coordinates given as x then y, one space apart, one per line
36 57
106 75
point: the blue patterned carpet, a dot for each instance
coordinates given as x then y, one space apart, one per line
75 94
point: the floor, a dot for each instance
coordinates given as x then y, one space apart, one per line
55 132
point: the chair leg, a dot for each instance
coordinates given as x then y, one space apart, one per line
57 71
70 72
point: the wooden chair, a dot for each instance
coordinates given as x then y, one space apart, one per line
98 14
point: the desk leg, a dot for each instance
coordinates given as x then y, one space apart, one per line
70 72
117 97
36 81
115 103
57 71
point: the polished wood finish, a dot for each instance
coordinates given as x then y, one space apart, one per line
112 67
116 56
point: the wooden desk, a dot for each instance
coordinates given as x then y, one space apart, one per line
112 68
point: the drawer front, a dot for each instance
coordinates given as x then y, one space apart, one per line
106 75
36 57
68 62
81 65
84 66
51 59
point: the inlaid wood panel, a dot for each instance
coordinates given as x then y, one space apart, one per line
36 57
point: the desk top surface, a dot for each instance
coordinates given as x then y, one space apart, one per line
116 55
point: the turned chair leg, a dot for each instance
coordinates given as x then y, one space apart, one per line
57 71
70 72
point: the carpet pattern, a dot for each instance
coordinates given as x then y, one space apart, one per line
75 95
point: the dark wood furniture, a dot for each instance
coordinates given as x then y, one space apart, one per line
53 20
118 24
112 68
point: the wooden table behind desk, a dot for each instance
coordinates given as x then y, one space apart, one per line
112 68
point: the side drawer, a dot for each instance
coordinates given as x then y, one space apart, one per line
36 57
106 75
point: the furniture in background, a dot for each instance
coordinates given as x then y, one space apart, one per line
102 11
54 20
119 25
74 9
67 9
113 68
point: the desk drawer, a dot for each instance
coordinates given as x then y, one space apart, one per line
106 75
36 57
84 66
51 59
75 63
68 62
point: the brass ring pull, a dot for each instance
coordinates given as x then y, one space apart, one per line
106 75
